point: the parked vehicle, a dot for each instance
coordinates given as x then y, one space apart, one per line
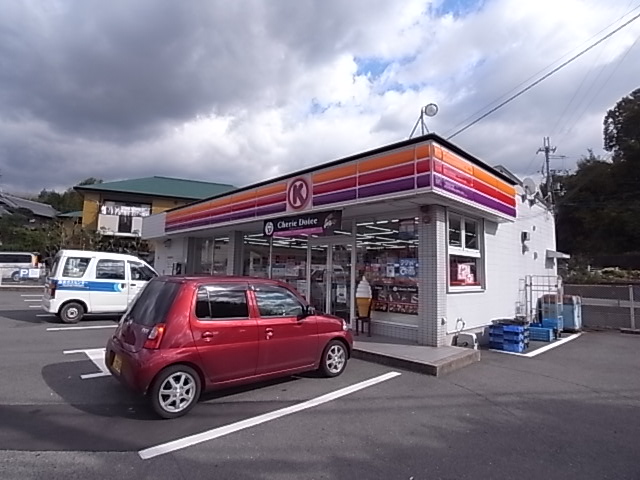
185 335
12 262
84 282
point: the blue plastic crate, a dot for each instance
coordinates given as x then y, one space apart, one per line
508 328
541 334
516 347
555 323
509 336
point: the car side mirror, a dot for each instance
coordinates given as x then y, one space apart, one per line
307 312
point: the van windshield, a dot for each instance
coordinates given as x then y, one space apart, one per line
153 303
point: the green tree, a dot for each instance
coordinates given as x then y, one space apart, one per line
69 200
598 207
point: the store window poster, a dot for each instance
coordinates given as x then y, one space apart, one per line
465 274
408 267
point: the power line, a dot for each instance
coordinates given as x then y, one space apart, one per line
545 68
544 77
561 118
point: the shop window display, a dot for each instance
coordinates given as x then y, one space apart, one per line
388 259
465 257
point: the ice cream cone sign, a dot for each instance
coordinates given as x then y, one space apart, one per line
363 297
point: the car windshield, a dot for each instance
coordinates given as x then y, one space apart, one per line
153 303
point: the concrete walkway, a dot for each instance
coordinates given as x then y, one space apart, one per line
410 356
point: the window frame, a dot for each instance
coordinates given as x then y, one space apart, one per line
256 289
63 267
112 260
139 265
477 254
234 287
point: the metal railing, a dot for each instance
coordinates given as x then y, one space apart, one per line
609 306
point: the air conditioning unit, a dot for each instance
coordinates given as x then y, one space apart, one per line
467 340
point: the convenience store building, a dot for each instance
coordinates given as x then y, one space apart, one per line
444 240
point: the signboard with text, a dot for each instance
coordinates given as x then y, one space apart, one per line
322 223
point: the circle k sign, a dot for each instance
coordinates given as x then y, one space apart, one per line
298 194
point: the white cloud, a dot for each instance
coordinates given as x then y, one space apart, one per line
245 92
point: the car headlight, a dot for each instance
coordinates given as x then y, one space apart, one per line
345 325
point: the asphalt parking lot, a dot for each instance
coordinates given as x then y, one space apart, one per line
569 413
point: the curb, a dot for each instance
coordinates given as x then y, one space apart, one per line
436 369
630 331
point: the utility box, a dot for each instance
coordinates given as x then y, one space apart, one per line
572 313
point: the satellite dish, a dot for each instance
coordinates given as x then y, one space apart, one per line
430 110
530 187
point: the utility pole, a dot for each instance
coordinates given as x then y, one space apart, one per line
547 149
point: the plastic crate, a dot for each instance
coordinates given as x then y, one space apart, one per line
541 334
516 347
509 336
554 323
508 328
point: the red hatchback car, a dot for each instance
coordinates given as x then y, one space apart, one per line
185 335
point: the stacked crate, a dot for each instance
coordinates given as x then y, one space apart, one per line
510 338
538 333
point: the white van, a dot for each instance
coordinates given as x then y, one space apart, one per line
11 263
84 282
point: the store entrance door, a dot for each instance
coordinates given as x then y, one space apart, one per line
331 277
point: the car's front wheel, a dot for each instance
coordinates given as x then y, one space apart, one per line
334 359
175 391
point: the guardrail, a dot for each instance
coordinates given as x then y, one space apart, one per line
611 306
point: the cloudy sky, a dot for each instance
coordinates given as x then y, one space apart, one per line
242 91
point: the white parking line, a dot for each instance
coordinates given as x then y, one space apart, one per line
96 355
45 315
32 300
540 350
88 327
252 422
35 306
30 295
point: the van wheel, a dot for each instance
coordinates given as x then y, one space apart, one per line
175 391
334 359
15 276
71 312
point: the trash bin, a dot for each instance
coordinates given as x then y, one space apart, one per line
572 313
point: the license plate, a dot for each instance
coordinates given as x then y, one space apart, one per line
117 363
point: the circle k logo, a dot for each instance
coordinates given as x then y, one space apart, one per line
298 194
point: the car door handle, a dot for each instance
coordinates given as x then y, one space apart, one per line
207 336
269 333
133 284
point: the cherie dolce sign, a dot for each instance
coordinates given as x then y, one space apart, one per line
322 223
299 194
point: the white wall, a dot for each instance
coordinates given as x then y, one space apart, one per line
167 255
505 266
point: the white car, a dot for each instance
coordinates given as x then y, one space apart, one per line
84 282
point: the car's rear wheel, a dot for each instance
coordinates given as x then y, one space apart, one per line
334 359
71 312
175 391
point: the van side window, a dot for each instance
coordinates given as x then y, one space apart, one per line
75 267
16 258
222 302
110 270
141 272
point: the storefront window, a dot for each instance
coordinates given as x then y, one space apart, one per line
388 259
465 258
256 256
213 256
